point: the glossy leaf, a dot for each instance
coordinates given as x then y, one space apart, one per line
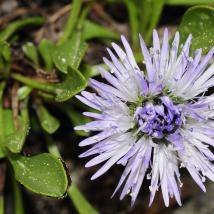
9 125
15 138
78 199
30 51
199 21
74 82
48 122
69 53
23 92
15 26
93 30
43 174
45 49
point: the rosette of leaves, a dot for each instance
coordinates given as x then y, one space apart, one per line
54 79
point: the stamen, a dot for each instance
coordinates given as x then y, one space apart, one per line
158 121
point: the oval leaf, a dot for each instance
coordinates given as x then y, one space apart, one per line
45 49
43 174
73 84
30 51
24 92
69 53
199 21
48 122
15 138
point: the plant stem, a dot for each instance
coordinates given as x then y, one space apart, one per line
72 20
33 83
79 201
2 86
19 209
1 204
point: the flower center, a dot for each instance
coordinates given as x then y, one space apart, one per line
159 119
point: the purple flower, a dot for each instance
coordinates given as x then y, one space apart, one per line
153 120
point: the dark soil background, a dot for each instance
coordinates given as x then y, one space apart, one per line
98 192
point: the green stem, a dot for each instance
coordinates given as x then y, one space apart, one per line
1 204
189 2
2 86
79 201
72 20
18 201
33 83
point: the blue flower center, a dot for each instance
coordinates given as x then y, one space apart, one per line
158 120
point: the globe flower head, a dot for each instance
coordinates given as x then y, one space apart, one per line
153 120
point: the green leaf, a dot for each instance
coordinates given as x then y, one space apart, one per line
80 202
13 27
9 125
73 84
92 70
2 154
15 138
69 53
43 174
46 48
92 30
199 21
48 122
189 2
5 58
72 21
157 7
144 11
30 51
2 125
23 92
133 21
5 51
